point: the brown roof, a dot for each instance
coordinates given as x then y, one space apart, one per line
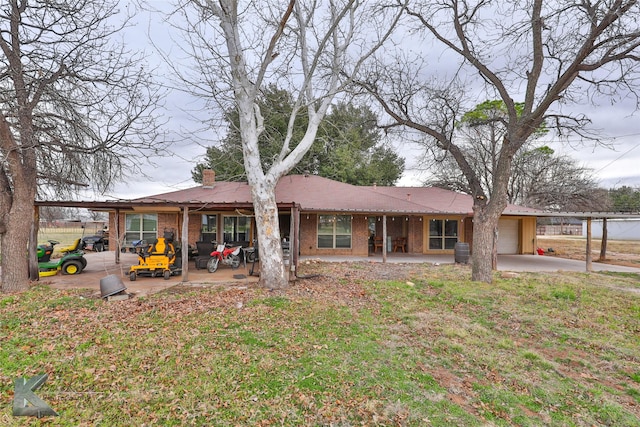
222 193
314 193
310 193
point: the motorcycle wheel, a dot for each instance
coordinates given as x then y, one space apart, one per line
132 276
98 247
251 256
212 265
235 261
166 274
72 267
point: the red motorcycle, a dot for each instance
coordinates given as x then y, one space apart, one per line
225 254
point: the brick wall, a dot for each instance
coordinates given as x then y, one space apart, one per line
309 237
170 221
398 226
195 223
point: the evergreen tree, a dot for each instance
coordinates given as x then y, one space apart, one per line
348 145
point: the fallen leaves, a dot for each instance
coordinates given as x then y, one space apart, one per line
356 344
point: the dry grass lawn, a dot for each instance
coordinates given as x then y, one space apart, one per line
354 344
619 252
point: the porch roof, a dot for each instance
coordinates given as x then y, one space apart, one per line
310 193
318 194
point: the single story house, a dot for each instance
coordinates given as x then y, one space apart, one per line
322 217
319 216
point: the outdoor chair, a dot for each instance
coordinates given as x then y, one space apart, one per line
204 253
377 243
400 244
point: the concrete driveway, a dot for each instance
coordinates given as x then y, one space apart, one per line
530 263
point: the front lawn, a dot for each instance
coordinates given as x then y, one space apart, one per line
353 344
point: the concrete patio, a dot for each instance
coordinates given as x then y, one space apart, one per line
102 264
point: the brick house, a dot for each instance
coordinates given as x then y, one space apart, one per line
320 216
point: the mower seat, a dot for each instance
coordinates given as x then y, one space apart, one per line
160 247
71 248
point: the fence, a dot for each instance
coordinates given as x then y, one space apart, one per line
557 230
67 235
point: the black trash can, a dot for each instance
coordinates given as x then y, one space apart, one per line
461 253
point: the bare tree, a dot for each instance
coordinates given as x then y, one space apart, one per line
539 178
74 106
547 55
308 48
554 182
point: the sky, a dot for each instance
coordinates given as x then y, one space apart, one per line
614 164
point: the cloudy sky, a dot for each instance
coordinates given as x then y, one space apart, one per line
615 162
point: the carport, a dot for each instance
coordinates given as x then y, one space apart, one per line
588 217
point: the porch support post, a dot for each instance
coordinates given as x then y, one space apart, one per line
117 236
185 244
589 244
384 238
294 238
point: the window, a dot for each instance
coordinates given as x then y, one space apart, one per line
140 227
209 228
443 233
334 231
236 228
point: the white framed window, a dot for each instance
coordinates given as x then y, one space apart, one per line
236 228
140 227
209 228
334 231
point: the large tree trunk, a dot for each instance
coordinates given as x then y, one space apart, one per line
15 266
272 269
485 226
17 219
485 222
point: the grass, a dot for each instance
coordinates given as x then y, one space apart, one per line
621 252
425 346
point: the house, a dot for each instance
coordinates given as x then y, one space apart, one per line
322 217
319 216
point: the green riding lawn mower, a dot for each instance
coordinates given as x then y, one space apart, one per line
71 262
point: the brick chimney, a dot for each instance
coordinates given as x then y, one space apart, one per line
208 178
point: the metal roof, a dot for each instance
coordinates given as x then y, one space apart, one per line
313 193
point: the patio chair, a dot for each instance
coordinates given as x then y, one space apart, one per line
377 243
400 244
204 253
